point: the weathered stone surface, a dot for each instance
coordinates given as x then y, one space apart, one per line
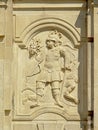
48 64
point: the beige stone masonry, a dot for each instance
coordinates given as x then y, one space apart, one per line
48 64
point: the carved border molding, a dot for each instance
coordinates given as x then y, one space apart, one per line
44 110
36 27
49 6
45 24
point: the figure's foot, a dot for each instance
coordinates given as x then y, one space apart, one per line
57 100
59 104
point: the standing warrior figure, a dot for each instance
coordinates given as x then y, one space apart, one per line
52 70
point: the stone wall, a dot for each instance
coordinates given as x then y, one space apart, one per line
48 64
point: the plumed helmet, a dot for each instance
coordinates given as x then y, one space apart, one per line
54 36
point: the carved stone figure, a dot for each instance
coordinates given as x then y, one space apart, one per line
52 71
71 81
56 61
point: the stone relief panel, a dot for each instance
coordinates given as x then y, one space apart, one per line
47 76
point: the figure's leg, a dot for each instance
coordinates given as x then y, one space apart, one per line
39 92
70 89
70 86
67 94
70 98
40 88
56 92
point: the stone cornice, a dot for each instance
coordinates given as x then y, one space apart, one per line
61 4
3 5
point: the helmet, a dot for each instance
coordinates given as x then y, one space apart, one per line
54 36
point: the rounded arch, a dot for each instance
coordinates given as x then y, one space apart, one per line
49 23
57 111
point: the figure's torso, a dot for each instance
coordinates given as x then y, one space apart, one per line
52 59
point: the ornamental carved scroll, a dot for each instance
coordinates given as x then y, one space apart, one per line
51 73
